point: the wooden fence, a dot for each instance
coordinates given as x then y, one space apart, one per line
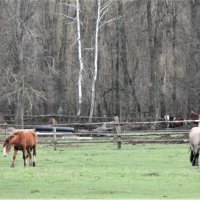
117 134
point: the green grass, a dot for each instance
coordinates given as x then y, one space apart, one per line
100 171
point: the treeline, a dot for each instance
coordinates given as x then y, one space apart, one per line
130 58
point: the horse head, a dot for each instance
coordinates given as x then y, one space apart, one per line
7 145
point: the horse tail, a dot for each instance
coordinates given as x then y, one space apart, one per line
35 135
34 155
34 148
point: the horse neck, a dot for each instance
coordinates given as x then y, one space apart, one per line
15 140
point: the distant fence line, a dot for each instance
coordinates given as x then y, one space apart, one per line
101 136
44 118
100 123
61 118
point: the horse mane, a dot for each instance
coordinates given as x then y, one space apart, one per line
18 133
15 133
8 139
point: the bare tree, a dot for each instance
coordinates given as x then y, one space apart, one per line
80 59
101 11
144 62
20 12
155 34
194 58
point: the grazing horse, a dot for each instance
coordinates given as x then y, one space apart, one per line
53 121
171 120
194 116
168 118
194 138
24 140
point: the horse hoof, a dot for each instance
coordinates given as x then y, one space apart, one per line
34 164
12 165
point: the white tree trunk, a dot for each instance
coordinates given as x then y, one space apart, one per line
80 60
95 62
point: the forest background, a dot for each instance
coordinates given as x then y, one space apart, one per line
130 58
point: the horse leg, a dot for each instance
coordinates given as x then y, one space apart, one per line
194 159
29 156
34 155
24 156
197 159
167 124
14 157
191 155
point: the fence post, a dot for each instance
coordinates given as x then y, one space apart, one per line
54 138
199 122
5 128
118 129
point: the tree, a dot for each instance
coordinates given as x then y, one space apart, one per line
95 59
101 11
194 58
155 33
140 59
19 12
80 59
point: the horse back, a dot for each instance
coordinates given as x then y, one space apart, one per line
30 137
194 136
26 137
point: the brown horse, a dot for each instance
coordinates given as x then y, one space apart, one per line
53 121
24 140
194 116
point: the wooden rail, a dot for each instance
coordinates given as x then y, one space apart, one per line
120 137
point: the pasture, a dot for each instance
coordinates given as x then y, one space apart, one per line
100 171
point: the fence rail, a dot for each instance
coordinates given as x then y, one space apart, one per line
136 137
117 134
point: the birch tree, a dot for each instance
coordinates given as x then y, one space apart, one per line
101 11
81 66
95 60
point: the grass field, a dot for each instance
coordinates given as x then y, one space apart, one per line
100 171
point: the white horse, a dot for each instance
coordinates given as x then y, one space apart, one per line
194 138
